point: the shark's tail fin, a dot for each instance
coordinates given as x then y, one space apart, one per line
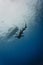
25 25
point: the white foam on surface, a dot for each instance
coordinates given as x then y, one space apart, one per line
15 12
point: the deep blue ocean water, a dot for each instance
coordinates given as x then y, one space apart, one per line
27 50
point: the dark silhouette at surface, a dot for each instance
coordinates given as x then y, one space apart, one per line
21 32
12 32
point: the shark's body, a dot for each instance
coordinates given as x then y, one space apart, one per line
12 32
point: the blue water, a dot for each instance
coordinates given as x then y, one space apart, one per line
27 50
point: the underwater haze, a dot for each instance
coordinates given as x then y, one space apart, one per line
28 50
